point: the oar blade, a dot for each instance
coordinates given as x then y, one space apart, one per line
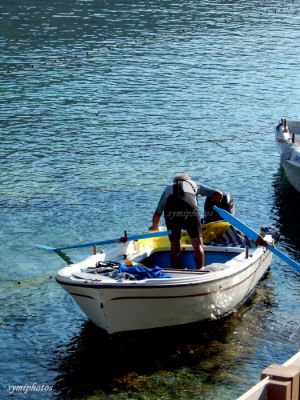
45 247
254 236
284 257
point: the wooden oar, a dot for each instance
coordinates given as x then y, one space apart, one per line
102 242
254 236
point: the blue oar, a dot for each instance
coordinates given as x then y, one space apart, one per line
254 236
102 242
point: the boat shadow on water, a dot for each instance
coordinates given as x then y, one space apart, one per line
287 213
94 363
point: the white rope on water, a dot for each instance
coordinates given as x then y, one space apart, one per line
295 331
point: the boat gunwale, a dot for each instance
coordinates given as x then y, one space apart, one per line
293 163
217 276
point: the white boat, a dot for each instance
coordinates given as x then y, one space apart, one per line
133 287
287 135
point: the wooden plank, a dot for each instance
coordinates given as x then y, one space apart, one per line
293 361
257 392
279 390
260 391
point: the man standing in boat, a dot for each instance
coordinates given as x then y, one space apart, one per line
180 207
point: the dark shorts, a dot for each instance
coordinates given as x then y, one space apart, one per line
192 225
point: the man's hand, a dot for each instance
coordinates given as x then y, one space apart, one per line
261 241
217 197
153 228
155 222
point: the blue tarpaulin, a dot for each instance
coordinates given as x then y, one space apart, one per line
140 272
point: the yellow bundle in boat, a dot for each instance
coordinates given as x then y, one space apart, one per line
211 232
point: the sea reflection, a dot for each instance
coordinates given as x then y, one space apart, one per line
161 361
287 211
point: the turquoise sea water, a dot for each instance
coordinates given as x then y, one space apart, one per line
102 102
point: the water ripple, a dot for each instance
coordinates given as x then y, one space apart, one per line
102 103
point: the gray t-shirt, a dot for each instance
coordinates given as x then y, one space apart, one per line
188 186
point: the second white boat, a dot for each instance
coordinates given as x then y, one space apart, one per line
287 136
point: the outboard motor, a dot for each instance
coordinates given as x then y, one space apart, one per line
226 204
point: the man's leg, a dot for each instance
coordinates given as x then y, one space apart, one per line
197 243
173 225
175 253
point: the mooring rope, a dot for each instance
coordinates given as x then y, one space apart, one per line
237 137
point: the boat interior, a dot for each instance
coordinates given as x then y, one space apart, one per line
294 129
162 259
222 243
155 263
